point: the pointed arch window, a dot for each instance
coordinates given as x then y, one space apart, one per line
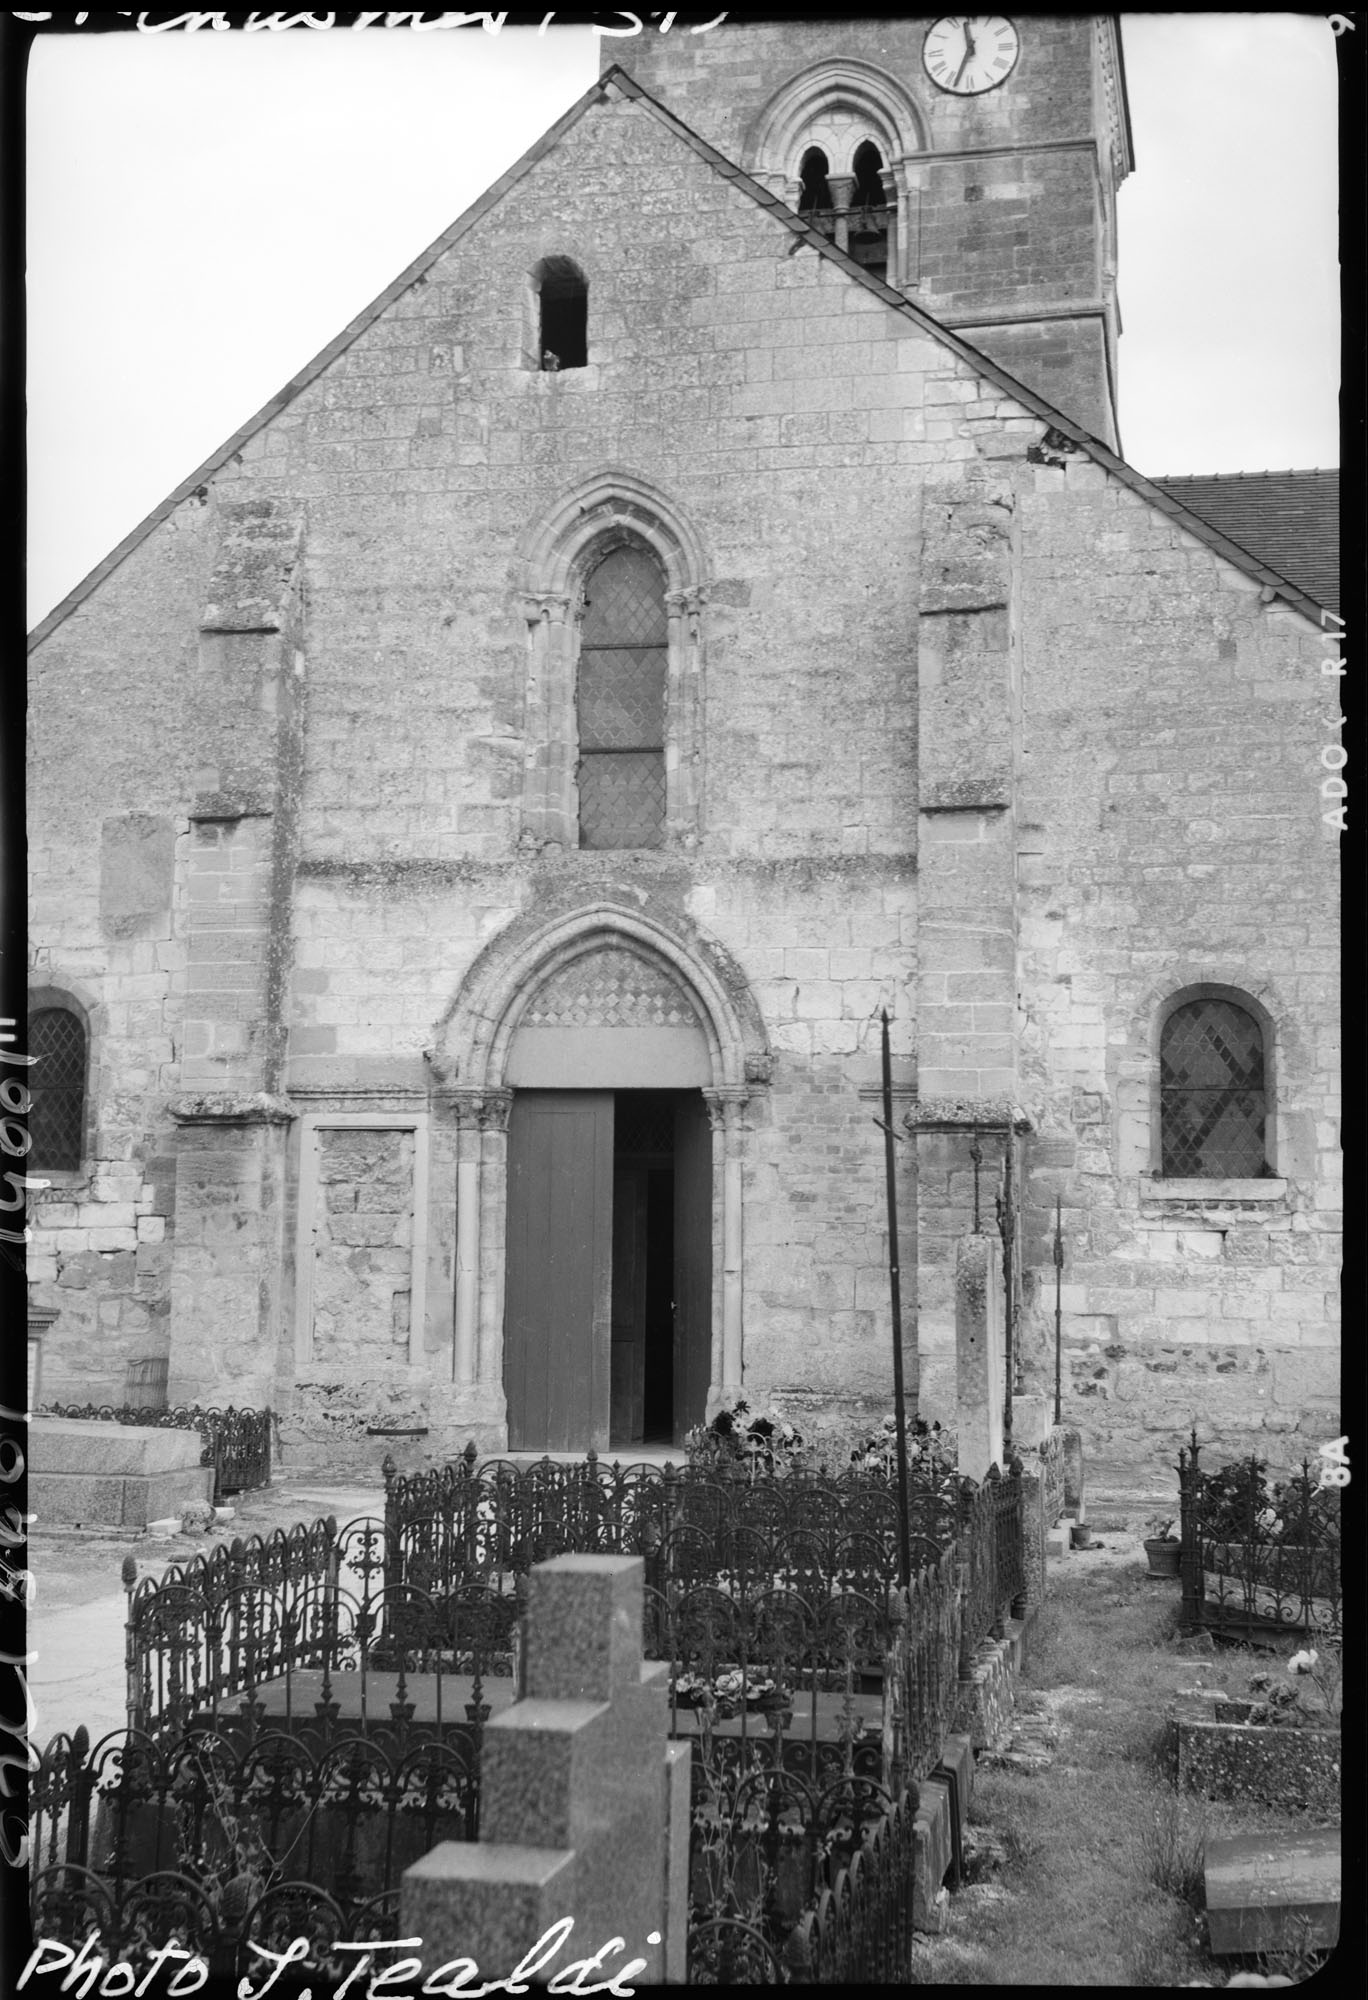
621 702
57 1084
1213 1100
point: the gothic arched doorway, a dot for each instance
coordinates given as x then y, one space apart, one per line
598 1062
608 1288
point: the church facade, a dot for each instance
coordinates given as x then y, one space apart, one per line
699 607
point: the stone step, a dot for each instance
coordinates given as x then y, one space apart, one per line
1271 1892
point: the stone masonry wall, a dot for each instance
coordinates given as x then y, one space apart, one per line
108 836
1171 835
720 82
1166 817
363 1250
1011 198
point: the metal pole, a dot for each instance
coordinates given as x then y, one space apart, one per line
899 1402
1059 1273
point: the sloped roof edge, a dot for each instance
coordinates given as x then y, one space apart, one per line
619 80
980 362
322 360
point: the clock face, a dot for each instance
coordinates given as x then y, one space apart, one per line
969 53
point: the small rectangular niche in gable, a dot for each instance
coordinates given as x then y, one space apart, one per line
560 314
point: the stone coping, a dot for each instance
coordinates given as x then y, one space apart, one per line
88 1447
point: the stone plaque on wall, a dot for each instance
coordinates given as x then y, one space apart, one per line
363 1247
137 861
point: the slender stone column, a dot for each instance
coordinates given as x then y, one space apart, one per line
726 1107
467 1105
907 179
493 1110
550 733
892 271
683 717
842 188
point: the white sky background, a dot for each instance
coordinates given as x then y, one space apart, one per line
207 211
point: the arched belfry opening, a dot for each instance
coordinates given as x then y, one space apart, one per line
871 212
839 142
607 1060
815 198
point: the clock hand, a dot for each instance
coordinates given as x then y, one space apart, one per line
969 51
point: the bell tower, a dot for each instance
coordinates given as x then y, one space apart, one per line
972 162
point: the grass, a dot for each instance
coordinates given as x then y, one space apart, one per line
1101 1862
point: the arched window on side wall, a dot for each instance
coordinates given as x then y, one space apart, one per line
1213 1101
57 1083
562 338
623 652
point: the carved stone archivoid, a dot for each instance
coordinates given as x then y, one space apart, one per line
966 552
610 988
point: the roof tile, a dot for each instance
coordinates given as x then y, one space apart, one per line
1288 520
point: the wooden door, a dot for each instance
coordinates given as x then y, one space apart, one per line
693 1261
628 1392
559 1269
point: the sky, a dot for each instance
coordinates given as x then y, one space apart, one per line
207 211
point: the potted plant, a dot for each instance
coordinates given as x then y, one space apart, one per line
1163 1547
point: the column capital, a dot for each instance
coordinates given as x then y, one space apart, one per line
726 1104
494 1108
545 606
472 1109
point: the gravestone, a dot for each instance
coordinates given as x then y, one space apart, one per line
979 1354
1269 1892
85 1473
584 1809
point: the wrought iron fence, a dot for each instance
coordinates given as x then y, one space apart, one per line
300 1702
222 1839
1258 1560
860 1929
469 1519
190 1634
1053 1476
853 1925
237 1443
307 1617
991 1546
924 1659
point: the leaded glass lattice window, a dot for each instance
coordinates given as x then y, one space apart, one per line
1211 1092
623 648
57 1082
